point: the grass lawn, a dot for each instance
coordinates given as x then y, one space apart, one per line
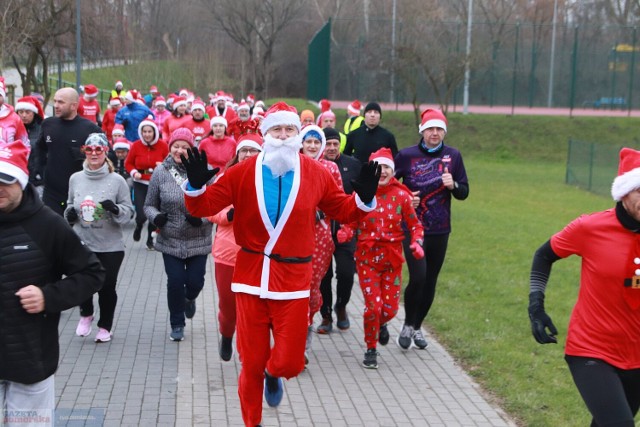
480 311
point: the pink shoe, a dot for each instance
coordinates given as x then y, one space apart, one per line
84 326
103 335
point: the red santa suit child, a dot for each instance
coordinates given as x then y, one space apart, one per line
275 195
11 125
313 143
379 253
88 106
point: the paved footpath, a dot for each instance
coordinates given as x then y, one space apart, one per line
141 378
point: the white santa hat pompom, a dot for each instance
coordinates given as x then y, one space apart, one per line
628 178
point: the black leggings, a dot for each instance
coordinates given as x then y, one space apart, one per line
423 275
345 269
612 395
139 195
107 296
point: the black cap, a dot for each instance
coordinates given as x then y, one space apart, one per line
373 106
331 133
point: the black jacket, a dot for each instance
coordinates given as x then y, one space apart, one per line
37 247
364 141
349 170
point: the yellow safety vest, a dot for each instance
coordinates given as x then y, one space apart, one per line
352 123
343 141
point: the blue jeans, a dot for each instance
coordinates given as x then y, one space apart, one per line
185 280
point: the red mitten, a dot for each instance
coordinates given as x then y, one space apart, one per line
344 235
416 250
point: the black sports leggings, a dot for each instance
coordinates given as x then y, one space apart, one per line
612 395
423 275
345 269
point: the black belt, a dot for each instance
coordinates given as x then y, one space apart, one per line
279 258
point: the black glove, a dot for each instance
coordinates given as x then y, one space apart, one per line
194 221
71 215
108 205
540 321
198 171
367 183
230 214
160 220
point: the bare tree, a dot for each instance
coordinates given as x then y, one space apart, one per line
255 25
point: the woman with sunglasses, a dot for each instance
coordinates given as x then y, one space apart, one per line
144 156
98 206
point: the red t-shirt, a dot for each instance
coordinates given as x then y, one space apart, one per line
605 322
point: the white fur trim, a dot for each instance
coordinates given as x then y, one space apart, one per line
385 161
148 122
26 106
353 111
16 172
121 146
179 103
280 118
215 120
323 140
433 123
625 184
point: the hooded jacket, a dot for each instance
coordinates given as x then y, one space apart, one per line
39 248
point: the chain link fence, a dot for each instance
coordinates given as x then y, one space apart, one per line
593 67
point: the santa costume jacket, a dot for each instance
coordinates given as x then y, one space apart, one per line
275 259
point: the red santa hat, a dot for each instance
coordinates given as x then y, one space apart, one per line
160 101
121 143
250 140
119 83
354 108
324 105
153 89
118 129
197 105
30 103
244 106
181 134
149 122
628 178
218 120
384 157
183 92
179 101
91 91
219 95
432 119
251 99
115 102
3 90
13 163
257 111
280 113
132 95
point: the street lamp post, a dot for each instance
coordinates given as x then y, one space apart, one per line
467 70
553 54
78 47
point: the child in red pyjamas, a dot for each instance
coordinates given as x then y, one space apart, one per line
379 254
313 143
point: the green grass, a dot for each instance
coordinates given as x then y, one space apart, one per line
518 199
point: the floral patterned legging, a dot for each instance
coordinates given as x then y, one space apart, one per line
321 259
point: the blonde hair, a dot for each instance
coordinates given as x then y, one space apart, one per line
107 160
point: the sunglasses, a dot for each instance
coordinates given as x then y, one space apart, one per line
89 149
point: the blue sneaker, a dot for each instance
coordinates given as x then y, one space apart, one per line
273 390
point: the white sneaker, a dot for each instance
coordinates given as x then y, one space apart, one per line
84 326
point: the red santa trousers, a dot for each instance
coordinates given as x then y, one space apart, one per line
226 300
322 254
380 277
257 319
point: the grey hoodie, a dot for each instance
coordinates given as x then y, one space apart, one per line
100 230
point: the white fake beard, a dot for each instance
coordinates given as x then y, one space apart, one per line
280 156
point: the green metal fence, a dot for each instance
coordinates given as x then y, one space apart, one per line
592 166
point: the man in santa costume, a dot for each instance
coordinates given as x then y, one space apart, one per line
219 107
237 127
275 195
602 337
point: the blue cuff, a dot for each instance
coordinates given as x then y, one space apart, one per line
190 188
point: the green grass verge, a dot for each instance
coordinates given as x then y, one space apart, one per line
480 311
